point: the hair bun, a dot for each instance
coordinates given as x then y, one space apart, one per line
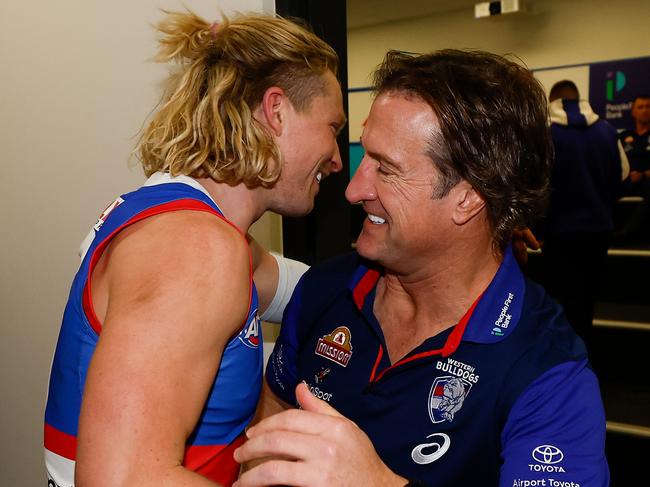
184 36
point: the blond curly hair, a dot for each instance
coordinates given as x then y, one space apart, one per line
204 124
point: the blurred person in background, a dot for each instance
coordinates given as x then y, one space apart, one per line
588 171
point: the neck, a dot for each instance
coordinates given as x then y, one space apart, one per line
435 298
642 128
241 205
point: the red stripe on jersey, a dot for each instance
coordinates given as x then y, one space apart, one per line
215 462
60 443
182 204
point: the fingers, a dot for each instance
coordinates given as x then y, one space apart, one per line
530 239
296 434
278 472
285 444
297 420
520 252
309 402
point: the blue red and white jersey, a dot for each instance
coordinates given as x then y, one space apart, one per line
233 397
505 397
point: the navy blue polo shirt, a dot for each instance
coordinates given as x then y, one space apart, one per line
637 148
505 397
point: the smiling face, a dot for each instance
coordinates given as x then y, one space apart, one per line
396 182
309 149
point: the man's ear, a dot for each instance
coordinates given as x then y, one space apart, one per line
469 203
270 111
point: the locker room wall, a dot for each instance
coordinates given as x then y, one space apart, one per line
76 85
557 32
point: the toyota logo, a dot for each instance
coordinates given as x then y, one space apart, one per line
548 454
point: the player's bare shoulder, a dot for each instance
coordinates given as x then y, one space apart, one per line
192 258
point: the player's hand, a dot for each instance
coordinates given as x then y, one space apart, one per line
315 446
523 239
636 176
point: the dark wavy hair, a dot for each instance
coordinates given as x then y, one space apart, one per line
493 130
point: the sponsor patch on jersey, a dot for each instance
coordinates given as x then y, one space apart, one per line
459 369
503 320
431 451
319 376
547 458
446 397
102 218
250 335
320 394
337 346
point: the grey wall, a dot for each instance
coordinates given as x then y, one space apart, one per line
75 86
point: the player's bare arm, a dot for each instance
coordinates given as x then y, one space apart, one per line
268 405
265 273
275 278
167 312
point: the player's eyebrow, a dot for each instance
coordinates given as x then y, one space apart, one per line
339 124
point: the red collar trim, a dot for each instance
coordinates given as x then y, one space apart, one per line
450 346
364 286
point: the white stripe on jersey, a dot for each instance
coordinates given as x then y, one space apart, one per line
60 470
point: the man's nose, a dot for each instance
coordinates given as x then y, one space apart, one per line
361 186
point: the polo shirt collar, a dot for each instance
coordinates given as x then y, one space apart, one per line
492 316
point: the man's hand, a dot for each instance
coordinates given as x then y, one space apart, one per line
636 176
523 239
315 446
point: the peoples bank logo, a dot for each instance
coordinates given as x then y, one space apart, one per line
614 82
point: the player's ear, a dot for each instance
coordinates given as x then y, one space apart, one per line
270 111
469 203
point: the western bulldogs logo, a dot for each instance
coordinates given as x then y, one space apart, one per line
250 335
102 218
446 397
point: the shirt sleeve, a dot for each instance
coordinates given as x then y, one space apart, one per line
625 164
281 370
555 432
289 273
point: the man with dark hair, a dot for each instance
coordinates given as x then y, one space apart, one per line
432 359
636 143
564 89
588 170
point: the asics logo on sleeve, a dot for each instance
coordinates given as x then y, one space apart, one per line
437 449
